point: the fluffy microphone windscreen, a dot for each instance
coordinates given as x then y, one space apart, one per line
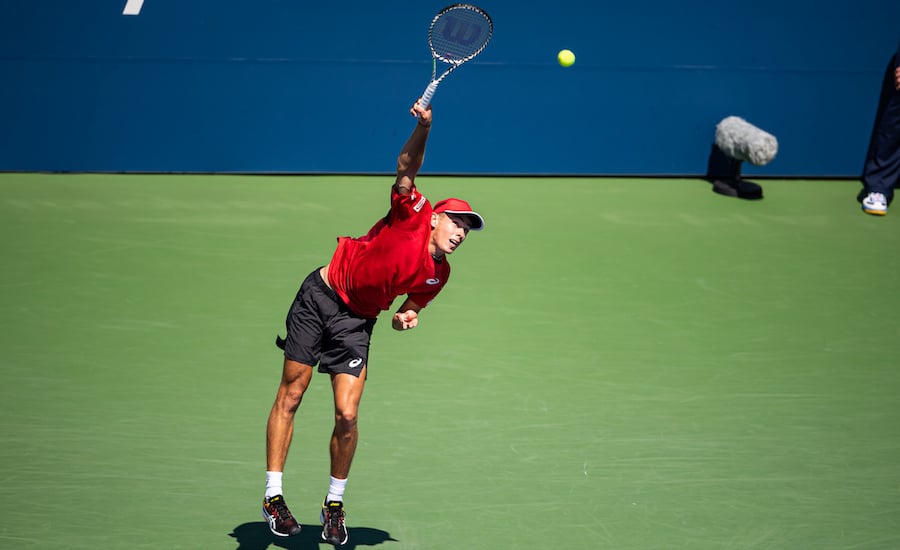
741 140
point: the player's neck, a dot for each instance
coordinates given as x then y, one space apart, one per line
435 252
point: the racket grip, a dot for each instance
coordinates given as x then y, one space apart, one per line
425 100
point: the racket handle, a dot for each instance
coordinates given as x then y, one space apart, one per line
425 100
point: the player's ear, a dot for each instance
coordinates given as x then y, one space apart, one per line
434 219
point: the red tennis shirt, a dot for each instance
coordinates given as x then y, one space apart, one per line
392 259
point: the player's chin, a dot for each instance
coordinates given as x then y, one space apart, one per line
453 245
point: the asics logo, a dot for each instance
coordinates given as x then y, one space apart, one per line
355 363
434 281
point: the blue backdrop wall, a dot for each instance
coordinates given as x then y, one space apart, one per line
301 86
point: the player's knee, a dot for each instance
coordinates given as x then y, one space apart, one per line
290 396
294 381
345 420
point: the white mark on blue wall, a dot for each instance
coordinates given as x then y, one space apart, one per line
133 7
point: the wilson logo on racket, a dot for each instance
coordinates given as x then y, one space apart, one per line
460 32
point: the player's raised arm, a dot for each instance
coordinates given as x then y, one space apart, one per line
413 153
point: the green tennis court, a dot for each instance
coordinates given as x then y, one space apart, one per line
615 363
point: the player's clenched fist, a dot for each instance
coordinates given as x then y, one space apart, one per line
405 320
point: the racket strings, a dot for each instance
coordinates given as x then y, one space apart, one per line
459 35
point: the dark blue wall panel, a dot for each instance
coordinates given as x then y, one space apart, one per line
297 86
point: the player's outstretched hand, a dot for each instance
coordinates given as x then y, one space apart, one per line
405 320
424 115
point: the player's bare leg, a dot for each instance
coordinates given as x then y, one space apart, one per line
295 379
348 391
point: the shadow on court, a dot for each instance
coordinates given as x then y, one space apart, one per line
256 536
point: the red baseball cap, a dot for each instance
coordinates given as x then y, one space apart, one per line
460 208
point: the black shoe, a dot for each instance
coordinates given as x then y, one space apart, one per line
332 517
279 518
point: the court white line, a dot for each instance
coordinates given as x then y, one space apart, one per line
133 7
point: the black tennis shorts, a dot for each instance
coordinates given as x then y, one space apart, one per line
322 330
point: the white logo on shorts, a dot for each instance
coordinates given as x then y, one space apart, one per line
434 281
355 363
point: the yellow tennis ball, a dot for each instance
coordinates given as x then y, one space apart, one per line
566 58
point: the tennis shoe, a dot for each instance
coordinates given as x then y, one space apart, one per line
332 517
875 204
281 521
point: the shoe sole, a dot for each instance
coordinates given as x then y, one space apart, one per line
333 542
874 212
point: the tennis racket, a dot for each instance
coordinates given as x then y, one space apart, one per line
457 34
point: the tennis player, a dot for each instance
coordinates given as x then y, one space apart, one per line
881 173
331 320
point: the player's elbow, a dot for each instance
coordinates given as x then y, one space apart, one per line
408 166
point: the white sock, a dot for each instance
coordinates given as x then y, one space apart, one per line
336 489
273 484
